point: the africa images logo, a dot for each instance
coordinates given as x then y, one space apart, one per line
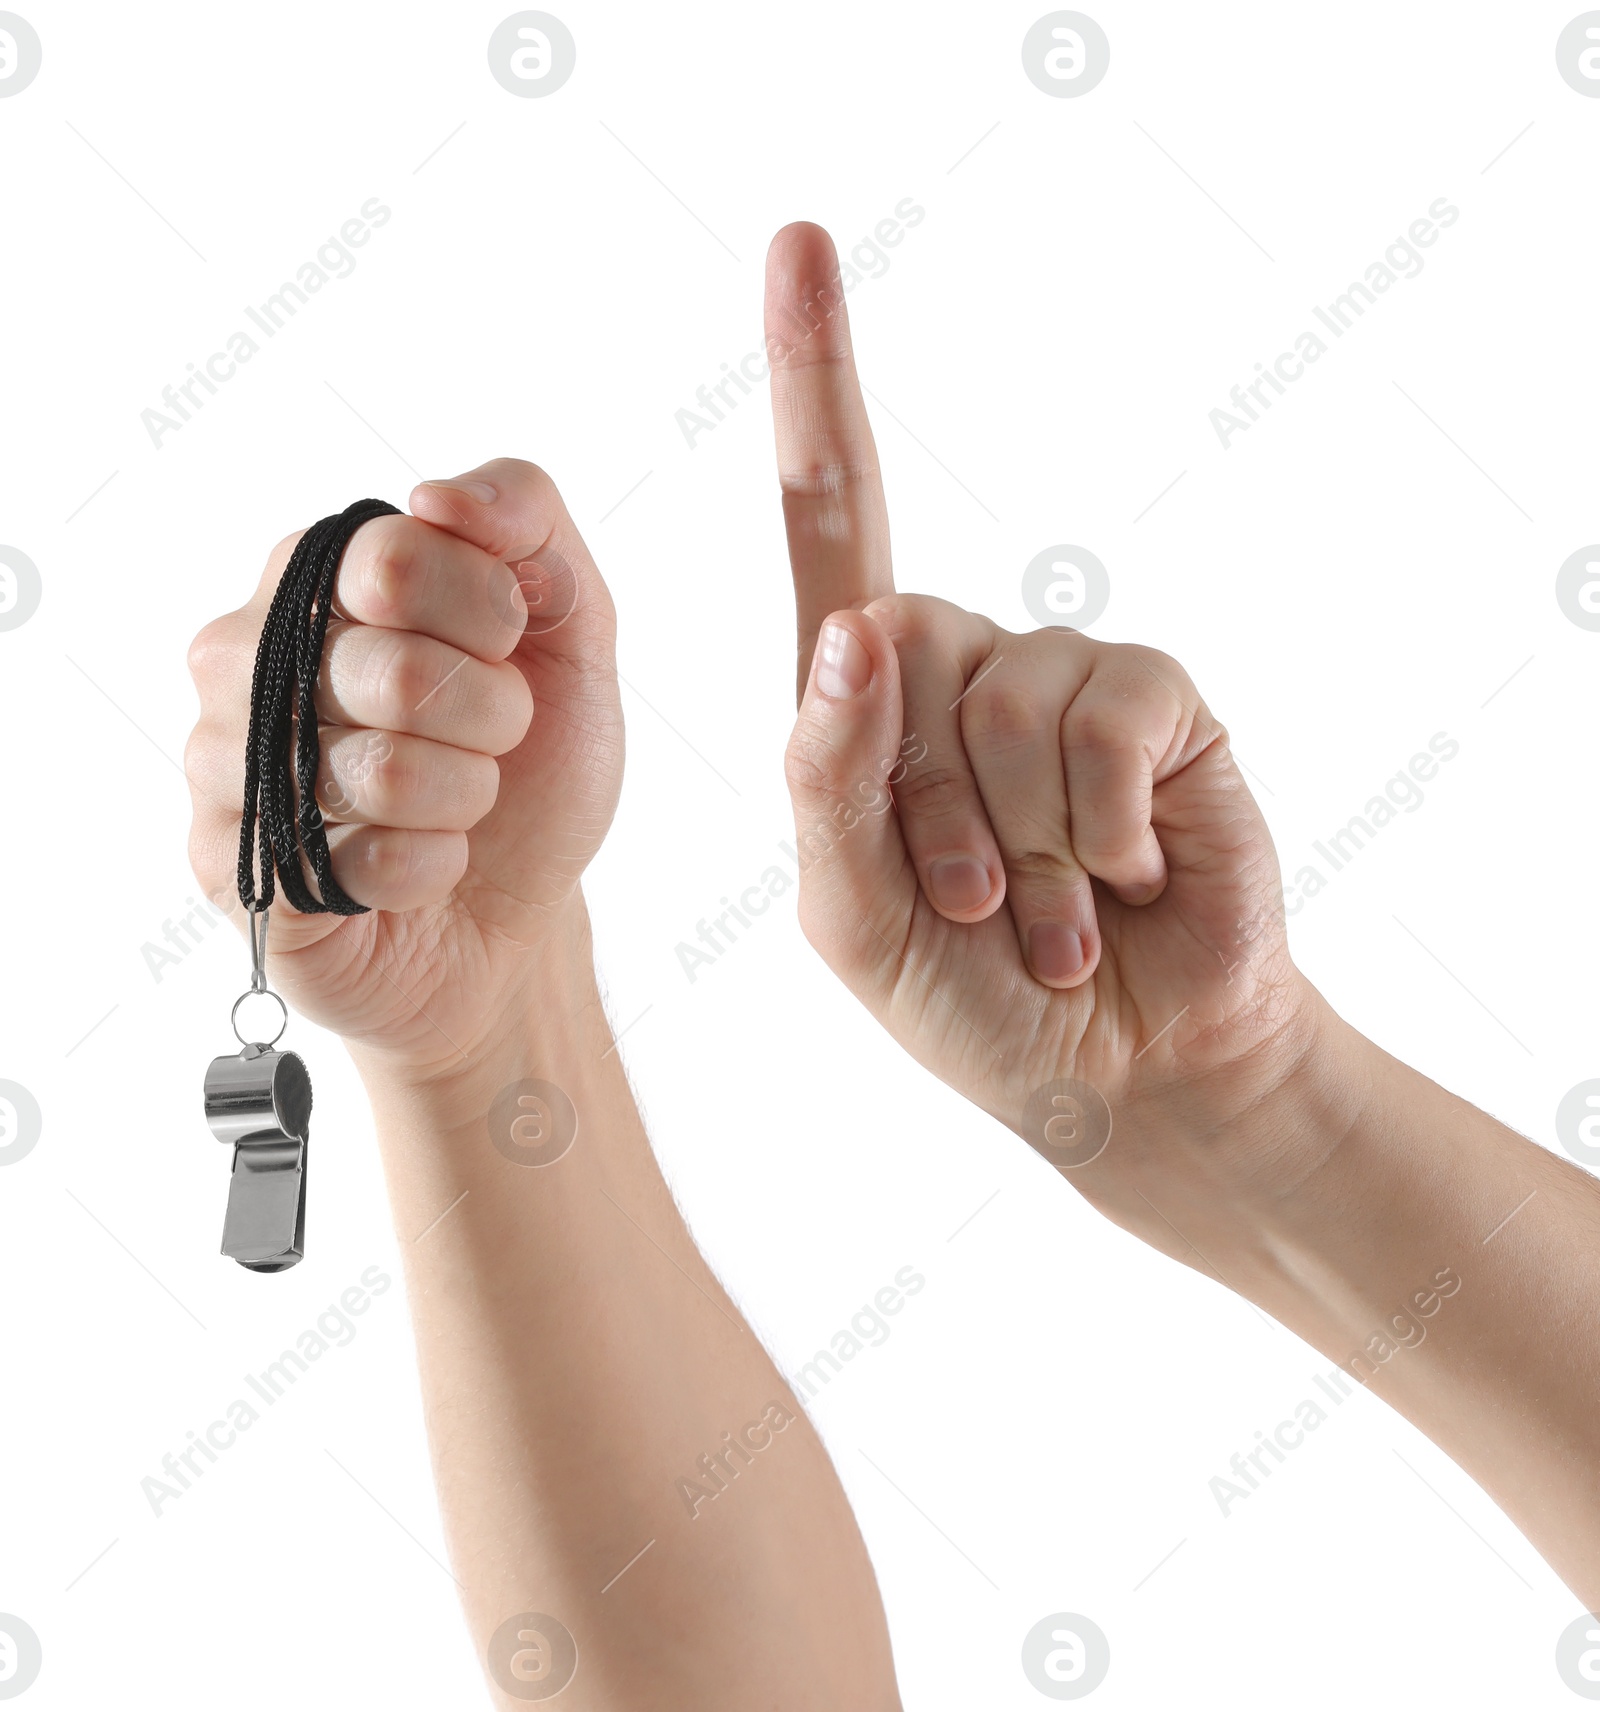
1403 259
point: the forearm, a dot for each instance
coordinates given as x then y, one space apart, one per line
1448 1264
593 1394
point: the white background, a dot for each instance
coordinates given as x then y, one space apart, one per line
1343 582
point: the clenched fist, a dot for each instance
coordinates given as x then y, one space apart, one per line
471 761
1074 884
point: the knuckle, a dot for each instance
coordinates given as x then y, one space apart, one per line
933 792
403 677
209 861
384 863
211 651
809 764
1092 724
532 478
1110 857
284 550
532 490
390 775
1002 716
391 569
906 617
814 475
195 754
922 623
1039 870
1160 662
1110 842
1154 678
210 765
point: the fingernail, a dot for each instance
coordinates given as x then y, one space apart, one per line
844 667
478 490
1055 949
959 883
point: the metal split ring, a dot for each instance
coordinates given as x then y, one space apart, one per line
259 993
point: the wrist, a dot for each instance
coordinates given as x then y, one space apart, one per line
1272 1115
1300 1149
552 997
1218 1168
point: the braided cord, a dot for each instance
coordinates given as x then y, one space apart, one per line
283 696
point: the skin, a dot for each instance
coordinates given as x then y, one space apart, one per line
578 1357
1038 864
1075 884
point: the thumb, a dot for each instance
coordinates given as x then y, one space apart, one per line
858 886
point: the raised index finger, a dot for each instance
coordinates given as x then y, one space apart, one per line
833 504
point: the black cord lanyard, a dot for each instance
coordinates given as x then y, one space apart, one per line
282 692
259 1100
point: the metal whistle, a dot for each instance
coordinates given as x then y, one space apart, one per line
259 1102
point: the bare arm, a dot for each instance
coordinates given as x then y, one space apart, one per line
1085 891
1438 1258
639 1513
613 1446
